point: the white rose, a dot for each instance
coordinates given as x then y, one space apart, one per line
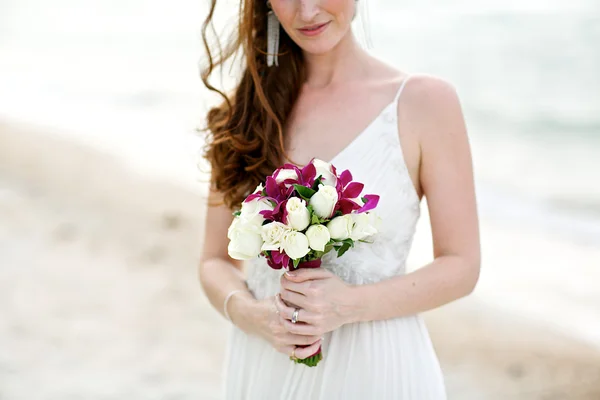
298 216
324 169
259 188
340 227
286 174
250 211
364 226
324 201
245 241
295 244
234 225
272 233
318 236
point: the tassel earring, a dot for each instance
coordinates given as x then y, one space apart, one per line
272 36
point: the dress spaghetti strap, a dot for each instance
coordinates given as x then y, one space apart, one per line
401 88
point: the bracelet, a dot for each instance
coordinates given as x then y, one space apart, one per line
227 300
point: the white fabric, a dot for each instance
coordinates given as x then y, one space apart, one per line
391 359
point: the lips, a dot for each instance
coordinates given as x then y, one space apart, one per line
313 30
312 27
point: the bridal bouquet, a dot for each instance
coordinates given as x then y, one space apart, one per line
299 215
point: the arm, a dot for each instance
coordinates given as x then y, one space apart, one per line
432 120
219 275
446 178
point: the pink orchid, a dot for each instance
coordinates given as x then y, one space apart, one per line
278 260
277 214
372 201
277 191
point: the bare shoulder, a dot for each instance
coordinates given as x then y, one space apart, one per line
431 106
432 90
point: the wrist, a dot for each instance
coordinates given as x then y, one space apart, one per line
358 304
241 308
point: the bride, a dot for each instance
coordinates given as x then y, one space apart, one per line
308 90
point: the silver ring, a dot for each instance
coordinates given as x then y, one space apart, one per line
295 315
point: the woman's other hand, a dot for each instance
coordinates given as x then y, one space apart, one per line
270 327
324 300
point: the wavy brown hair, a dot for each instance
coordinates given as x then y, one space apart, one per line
244 133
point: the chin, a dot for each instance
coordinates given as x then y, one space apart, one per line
321 46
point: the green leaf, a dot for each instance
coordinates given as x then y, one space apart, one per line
314 220
305 192
237 213
296 262
364 200
317 182
348 241
343 248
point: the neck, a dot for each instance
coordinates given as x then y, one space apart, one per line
346 61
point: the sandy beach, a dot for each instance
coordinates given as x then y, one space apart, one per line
100 297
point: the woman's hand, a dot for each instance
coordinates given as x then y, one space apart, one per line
271 329
324 300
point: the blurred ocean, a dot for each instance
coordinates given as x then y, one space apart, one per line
123 76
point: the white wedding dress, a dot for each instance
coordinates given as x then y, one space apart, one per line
389 359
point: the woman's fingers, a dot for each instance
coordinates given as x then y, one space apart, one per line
287 312
294 298
305 352
300 340
282 308
302 351
292 286
299 328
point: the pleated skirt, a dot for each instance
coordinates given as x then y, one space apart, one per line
391 359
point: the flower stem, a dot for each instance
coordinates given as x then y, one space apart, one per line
311 361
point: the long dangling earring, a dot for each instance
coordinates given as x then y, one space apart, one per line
272 36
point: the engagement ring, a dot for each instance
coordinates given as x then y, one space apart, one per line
295 315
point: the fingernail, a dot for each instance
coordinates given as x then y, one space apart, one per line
289 273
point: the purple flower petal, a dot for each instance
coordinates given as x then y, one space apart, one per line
252 197
309 173
372 201
309 264
280 258
345 178
353 190
283 211
346 206
272 188
292 181
273 264
288 192
276 213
